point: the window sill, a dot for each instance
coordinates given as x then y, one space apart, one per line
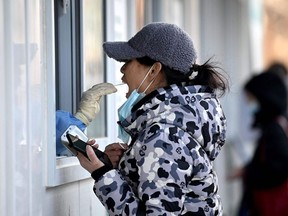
68 169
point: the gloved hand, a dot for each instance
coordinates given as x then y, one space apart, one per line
89 103
63 121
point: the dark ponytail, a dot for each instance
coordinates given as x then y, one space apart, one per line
207 74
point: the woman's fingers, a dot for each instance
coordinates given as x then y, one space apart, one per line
115 160
93 143
115 152
116 146
91 154
91 163
84 162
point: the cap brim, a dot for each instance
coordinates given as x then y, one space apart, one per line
121 51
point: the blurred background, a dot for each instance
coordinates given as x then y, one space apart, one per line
51 51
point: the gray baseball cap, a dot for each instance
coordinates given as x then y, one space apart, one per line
163 42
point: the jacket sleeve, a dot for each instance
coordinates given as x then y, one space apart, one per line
163 168
116 194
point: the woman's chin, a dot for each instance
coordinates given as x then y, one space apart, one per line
128 94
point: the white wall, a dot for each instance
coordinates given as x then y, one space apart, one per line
21 108
27 115
2 116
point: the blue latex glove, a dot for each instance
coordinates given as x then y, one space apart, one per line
63 121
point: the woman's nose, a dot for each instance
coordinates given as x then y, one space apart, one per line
123 68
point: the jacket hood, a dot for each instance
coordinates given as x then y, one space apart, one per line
194 109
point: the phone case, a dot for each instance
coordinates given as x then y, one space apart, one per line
75 140
75 131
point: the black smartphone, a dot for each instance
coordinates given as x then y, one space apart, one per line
80 145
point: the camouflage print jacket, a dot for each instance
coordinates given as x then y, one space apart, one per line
176 133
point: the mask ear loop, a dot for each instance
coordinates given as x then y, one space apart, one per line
149 85
145 79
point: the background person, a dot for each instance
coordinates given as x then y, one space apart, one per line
279 69
265 177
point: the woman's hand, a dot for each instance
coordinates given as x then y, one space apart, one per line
115 152
93 163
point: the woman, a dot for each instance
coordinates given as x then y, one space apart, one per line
176 124
266 175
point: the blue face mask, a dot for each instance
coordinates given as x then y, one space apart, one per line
125 110
253 107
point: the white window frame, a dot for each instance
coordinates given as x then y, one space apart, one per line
119 26
68 169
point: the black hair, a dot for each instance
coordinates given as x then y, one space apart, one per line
279 69
208 75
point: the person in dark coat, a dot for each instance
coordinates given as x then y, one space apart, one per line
266 175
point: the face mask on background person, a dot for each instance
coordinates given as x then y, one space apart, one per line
253 107
125 110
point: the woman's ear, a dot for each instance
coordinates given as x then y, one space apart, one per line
157 67
158 75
